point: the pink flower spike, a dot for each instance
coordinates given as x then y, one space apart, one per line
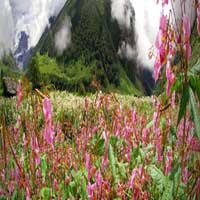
19 94
157 67
186 27
165 2
35 149
163 22
185 175
49 134
186 33
170 78
49 128
168 162
198 18
47 109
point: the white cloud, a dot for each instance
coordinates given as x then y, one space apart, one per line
6 27
63 36
147 14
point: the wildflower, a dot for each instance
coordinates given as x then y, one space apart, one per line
49 128
173 99
90 189
170 78
195 144
134 117
186 33
164 2
49 134
47 109
160 46
35 149
185 175
155 120
198 18
158 144
168 162
19 94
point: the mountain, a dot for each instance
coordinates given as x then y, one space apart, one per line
85 35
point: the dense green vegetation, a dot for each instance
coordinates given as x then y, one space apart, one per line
44 71
7 69
93 51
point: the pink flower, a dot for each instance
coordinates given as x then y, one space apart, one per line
157 68
170 78
195 144
160 46
173 100
163 22
185 175
164 2
168 162
90 190
186 33
35 149
49 128
134 117
158 144
155 120
132 179
198 18
98 179
49 134
47 109
19 94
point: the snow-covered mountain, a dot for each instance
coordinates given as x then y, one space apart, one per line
22 23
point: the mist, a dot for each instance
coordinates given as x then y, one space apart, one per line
63 36
6 27
146 18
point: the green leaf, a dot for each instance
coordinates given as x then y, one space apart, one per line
113 140
183 105
111 157
134 155
198 88
99 148
196 68
157 176
122 169
150 124
177 84
45 193
195 112
168 189
43 166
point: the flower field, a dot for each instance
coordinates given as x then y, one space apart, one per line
109 146
105 146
